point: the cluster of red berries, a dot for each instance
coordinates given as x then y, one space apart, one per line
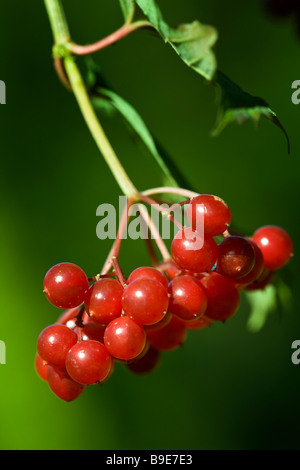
152 311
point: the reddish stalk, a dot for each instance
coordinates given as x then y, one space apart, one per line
165 212
121 33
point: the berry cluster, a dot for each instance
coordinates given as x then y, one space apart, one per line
133 320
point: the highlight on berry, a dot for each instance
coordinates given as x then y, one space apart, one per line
135 319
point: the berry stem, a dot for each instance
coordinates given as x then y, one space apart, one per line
170 190
118 271
121 33
165 212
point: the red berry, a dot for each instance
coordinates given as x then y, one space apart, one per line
165 320
62 385
222 294
103 302
145 301
54 343
257 269
149 273
41 367
187 298
88 362
66 285
124 338
262 281
236 257
171 337
92 330
190 251
217 215
199 323
275 244
147 363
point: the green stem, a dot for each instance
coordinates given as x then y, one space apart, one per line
62 39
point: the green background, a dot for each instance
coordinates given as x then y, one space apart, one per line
226 388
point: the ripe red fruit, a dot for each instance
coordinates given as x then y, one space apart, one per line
236 257
222 294
199 323
262 281
149 273
41 367
62 385
54 343
124 338
275 244
188 298
190 251
88 362
92 330
145 301
171 337
147 363
257 269
217 215
103 302
163 322
66 285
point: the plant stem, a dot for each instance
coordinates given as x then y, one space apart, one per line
62 39
170 190
121 33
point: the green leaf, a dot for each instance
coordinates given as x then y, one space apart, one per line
236 105
193 42
263 303
109 101
128 8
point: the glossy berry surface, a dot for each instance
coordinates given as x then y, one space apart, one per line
275 244
188 298
41 367
62 385
210 210
104 300
147 272
222 295
266 278
93 330
192 252
146 364
171 337
66 285
236 257
145 301
124 338
88 362
54 343
163 322
257 269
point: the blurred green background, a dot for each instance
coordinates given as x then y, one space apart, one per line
226 388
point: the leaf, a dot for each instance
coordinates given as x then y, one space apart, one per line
109 101
263 303
236 105
128 8
193 42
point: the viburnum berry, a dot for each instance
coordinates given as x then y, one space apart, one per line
257 269
145 301
88 362
199 323
54 343
41 367
170 337
210 210
192 252
148 272
188 298
66 285
223 298
275 244
236 257
93 330
103 302
266 278
163 322
62 385
124 338
146 364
